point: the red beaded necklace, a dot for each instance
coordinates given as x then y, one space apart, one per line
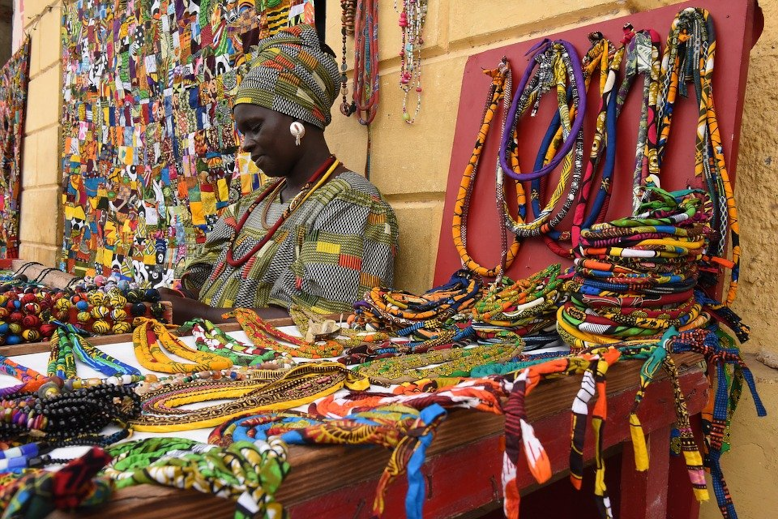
324 171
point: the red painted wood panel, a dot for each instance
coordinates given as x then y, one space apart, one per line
733 21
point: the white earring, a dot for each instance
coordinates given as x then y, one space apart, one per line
298 131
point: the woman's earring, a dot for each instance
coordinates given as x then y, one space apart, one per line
298 131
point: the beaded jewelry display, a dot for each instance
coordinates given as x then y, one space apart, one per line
65 415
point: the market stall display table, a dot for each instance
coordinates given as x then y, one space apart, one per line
341 482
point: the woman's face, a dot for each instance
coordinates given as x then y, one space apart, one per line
267 138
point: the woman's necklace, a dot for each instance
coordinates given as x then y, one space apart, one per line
317 179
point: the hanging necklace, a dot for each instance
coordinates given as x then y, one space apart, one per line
347 29
366 82
689 54
412 18
317 179
500 89
557 62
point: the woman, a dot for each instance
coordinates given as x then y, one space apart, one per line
317 235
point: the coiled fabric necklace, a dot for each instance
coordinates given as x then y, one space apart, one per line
499 89
557 63
689 55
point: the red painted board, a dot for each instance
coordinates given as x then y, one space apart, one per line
734 32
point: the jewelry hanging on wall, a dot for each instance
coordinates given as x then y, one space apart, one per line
412 18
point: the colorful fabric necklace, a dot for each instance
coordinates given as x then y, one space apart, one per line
261 334
689 55
499 89
558 62
249 473
149 337
298 386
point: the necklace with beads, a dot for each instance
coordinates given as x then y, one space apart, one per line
317 179
412 18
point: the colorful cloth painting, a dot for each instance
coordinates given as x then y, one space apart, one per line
14 77
150 154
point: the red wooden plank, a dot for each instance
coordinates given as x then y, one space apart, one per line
469 477
647 490
733 21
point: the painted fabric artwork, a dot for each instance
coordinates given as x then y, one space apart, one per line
150 155
14 77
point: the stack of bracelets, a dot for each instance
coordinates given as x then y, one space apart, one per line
525 308
635 277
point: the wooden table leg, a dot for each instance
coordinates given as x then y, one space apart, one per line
644 494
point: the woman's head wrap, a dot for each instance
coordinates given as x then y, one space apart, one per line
291 74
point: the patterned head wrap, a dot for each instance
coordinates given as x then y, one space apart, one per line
291 74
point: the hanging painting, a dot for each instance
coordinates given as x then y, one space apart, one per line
14 77
150 155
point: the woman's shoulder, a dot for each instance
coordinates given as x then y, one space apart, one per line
353 186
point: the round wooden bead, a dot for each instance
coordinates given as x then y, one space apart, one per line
118 314
13 339
100 312
101 327
16 317
83 317
15 328
3 328
82 306
31 335
138 310
62 304
47 329
122 327
96 298
31 321
32 308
